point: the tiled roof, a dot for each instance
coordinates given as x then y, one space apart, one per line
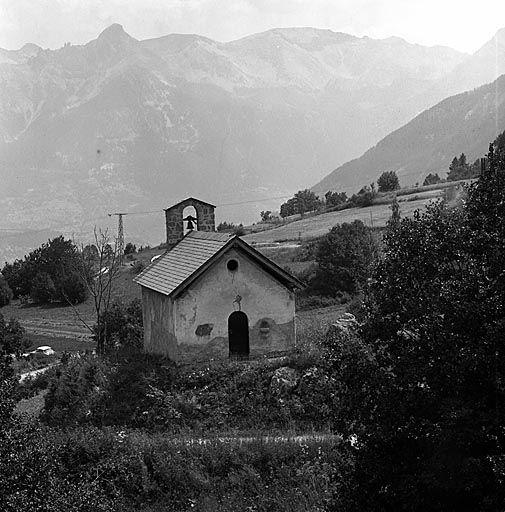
171 269
178 267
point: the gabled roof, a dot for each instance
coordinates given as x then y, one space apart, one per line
190 199
175 270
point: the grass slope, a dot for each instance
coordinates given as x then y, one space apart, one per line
316 226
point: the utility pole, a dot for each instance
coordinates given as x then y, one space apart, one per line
120 236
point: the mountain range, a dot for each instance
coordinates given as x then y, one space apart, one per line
464 123
125 125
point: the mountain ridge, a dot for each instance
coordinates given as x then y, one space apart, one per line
463 123
119 123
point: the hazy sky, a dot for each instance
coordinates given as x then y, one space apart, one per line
462 24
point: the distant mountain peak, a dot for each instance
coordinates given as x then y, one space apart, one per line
115 33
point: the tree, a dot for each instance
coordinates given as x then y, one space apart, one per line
130 248
335 198
90 252
394 220
12 340
266 216
226 226
388 181
344 258
459 169
73 288
121 326
43 289
97 275
431 179
422 390
5 292
19 276
303 201
55 259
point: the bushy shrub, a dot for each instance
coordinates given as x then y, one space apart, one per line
345 258
74 390
121 326
137 267
5 292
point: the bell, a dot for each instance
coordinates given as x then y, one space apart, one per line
190 220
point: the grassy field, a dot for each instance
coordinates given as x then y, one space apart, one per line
62 327
316 226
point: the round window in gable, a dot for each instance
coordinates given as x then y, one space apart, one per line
232 265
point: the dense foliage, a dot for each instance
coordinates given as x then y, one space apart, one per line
423 389
143 391
48 273
335 198
94 470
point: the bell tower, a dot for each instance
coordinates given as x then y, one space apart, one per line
205 219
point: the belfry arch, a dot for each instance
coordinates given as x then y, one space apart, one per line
174 218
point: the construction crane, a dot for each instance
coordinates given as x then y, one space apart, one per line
120 236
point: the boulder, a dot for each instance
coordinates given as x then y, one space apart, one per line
284 380
345 325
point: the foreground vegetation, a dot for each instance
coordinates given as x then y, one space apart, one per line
415 395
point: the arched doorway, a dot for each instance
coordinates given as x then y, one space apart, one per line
238 334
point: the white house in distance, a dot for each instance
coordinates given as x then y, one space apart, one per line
213 296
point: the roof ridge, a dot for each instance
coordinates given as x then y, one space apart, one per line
192 255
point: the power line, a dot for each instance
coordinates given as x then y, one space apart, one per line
160 210
120 235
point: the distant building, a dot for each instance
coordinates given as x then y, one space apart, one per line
213 296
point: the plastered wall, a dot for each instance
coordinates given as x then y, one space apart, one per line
201 325
159 325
